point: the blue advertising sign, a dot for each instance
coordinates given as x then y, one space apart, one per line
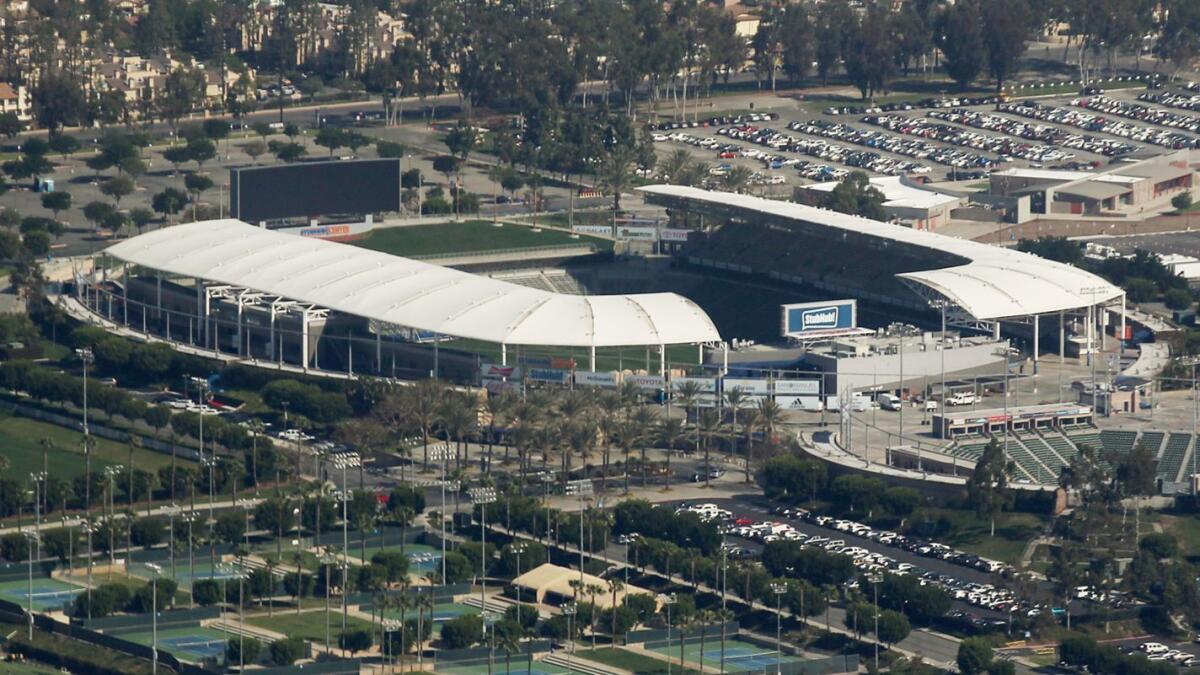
817 317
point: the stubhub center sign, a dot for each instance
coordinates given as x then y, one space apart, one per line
809 317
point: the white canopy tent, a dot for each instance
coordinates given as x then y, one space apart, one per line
413 294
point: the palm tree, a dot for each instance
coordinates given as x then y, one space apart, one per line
643 421
422 403
670 432
695 174
593 590
627 435
769 414
616 175
615 586
709 424
459 417
424 602
496 408
735 398
688 395
675 166
704 617
736 179
509 643
609 404
751 419
580 437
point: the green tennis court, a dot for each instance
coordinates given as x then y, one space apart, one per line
421 558
442 612
739 655
48 593
189 644
184 574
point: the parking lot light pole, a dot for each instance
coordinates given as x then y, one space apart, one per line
518 549
85 355
778 590
482 496
875 586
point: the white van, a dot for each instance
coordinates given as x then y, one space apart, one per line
1153 648
888 401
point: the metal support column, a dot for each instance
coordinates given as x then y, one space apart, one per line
662 360
125 292
592 358
379 350
503 354
1062 338
158 296
240 338
1122 336
1036 333
304 340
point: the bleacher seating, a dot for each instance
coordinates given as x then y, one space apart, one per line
1060 444
1090 438
1173 455
1119 441
1027 462
1043 452
969 447
1153 441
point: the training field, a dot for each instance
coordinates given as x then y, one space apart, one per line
467 237
190 644
739 655
21 439
48 594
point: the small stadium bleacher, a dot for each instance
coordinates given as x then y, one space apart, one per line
1040 456
1173 455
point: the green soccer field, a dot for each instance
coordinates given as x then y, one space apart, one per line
21 439
467 237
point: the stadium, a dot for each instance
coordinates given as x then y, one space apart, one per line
244 293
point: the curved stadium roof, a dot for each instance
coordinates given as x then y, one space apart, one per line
410 293
992 282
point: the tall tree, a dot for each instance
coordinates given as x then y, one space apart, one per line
988 485
1009 24
960 36
869 54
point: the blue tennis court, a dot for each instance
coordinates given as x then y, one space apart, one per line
190 644
48 594
183 572
739 655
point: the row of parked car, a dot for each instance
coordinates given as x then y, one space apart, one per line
1034 132
1157 651
897 145
1142 113
188 405
1089 122
1003 146
1181 100
923 104
812 147
719 121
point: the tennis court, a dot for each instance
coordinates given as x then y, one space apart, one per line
442 612
190 644
739 655
421 558
48 594
184 575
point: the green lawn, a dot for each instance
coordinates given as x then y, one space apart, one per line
21 439
8 668
972 534
467 237
640 664
1186 529
307 625
581 218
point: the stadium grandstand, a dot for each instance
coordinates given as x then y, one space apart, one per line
976 286
255 294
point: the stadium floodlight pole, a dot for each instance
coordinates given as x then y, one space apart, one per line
201 390
482 496
581 488
518 549
344 495
85 355
191 518
875 586
569 611
778 590
436 454
155 570
31 538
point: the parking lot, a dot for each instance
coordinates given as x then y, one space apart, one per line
978 586
938 139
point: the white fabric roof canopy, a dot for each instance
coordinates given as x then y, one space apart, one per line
993 282
410 293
